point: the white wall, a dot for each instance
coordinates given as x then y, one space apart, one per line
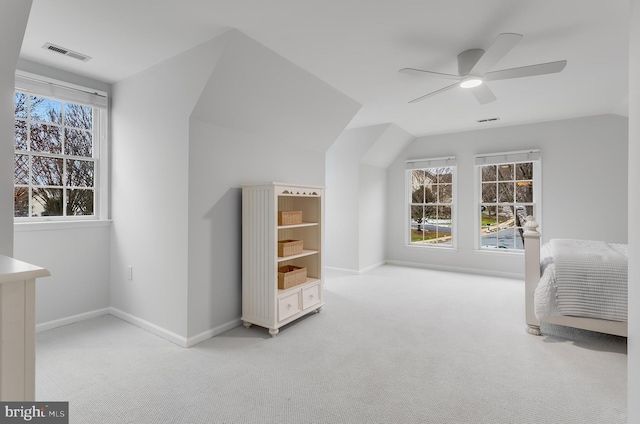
356 195
372 216
580 158
634 224
342 233
150 188
77 255
252 124
13 21
186 134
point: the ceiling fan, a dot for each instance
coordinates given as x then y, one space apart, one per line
474 65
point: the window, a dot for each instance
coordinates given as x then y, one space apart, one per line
57 151
430 184
508 194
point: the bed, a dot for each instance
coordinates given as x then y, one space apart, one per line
575 283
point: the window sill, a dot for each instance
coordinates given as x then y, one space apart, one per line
431 246
59 225
489 251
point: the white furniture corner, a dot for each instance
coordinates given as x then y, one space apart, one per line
263 304
532 278
17 329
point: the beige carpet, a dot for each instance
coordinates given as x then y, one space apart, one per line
395 345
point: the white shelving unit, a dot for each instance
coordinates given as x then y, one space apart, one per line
263 303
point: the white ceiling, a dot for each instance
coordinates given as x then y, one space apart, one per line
358 46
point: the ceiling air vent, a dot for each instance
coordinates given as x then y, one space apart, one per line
488 120
66 52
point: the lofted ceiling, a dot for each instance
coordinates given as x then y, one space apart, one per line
358 46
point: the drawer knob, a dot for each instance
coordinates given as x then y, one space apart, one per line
289 306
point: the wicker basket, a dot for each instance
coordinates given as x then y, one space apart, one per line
289 247
291 275
289 217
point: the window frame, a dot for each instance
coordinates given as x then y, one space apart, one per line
36 85
431 163
506 158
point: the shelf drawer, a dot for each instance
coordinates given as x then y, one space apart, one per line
311 296
288 306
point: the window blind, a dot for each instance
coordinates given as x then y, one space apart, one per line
430 163
74 94
523 156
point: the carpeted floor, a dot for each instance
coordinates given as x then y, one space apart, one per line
395 345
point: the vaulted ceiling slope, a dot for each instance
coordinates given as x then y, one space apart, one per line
358 47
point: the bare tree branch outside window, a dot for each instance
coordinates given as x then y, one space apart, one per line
54 166
431 206
506 200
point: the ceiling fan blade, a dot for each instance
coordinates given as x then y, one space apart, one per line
501 46
433 93
415 71
526 71
483 94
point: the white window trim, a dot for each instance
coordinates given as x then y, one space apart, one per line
431 163
51 88
532 155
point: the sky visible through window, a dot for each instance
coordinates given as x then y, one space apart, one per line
54 164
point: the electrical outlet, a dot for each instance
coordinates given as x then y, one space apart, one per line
129 273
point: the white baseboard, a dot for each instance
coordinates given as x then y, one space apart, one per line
354 271
192 341
171 336
341 270
144 324
150 327
372 267
70 320
458 269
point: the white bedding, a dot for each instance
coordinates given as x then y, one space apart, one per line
582 278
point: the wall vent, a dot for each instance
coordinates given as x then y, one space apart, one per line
488 120
66 52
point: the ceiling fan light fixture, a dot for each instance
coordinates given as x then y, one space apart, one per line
474 66
471 82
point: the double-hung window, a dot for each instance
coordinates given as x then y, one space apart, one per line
60 133
508 187
431 207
